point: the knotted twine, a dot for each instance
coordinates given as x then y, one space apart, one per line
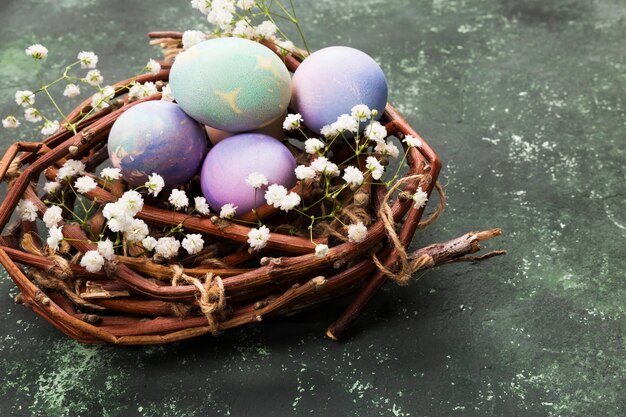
406 266
212 296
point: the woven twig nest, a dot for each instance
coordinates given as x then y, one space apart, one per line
139 300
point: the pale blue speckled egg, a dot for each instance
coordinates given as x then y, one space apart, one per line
231 84
333 80
228 164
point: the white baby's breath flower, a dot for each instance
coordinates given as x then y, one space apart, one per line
94 77
285 46
37 51
321 250
256 180
53 216
25 98
353 177
357 232
228 211
92 261
153 66
192 37
387 149
292 121
420 198
117 215
178 199
324 166
221 17
304 172
155 184
329 131
193 243
361 112
412 141
103 98
166 93
375 167
313 146
105 248
85 184
274 194
245 4
266 30
50 127
111 174
138 91
202 5
244 29
289 201
375 131
71 90
257 238
55 236
149 243
137 231
345 123
167 247
26 210
201 205
132 202
70 168
87 60
32 115
10 122
51 187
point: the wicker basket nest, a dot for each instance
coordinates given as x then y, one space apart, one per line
140 301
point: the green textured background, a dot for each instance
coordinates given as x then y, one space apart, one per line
523 100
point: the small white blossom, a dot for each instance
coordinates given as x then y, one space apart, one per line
228 211
221 17
357 232
155 184
412 142
361 112
353 177
290 201
153 66
244 29
92 261
137 231
266 29
51 187
10 122
420 198
329 131
117 215
201 5
167 247
50 127
178 199
53 216
149 243
304 172
345 123
193 243
94 78
138 91
387 149
321 250
275 194
55 237
257 238
374 167
111 174
375 131
245 4
70 168
102 99
192 37
25 98
85 184
37 51
105 248
256 180
201 205
26 210
32 115
71 90
166 93
292 121
87 60
324 166
285 46
313 146
132 202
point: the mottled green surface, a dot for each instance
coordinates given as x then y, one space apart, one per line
524 101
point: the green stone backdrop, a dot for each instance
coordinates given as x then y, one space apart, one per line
524 101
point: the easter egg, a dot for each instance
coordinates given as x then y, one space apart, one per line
157 136
333 80
231 84
228 164
274 129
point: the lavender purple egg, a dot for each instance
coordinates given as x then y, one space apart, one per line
228 164
333 80
157 136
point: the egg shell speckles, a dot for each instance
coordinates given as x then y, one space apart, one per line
157 136
231 84
228 164
333 80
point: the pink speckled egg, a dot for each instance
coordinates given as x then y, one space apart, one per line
333 80
228 164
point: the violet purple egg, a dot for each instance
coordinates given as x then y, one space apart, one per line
333 80
157 137
228 164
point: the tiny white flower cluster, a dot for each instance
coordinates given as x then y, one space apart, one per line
37 51
138 91
279 197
